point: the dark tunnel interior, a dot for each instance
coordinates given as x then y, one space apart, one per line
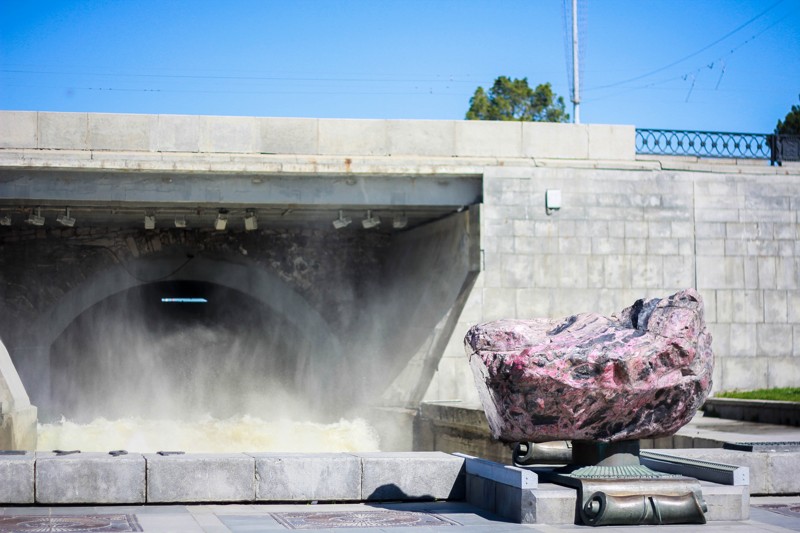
179 349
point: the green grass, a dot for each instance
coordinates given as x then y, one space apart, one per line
786 394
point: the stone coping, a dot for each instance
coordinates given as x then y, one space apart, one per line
763 411
102 478
313 136
50 479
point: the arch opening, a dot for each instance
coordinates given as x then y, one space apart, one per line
179 350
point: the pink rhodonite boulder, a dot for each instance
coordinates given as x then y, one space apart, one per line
641 374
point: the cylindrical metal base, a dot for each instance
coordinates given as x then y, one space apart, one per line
603 509
622 453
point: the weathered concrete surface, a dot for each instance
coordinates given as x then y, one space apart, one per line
335 137
228 477
17 415
89 478
411 476
307 477
17 478
640 375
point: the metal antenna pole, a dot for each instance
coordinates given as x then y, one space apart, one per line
576 97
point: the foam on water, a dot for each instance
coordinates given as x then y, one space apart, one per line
237 434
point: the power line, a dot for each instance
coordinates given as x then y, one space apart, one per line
693 54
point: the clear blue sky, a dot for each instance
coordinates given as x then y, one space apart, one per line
683 64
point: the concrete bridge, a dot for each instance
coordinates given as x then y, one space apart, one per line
360 314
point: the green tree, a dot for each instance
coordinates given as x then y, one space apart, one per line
515 100
791 124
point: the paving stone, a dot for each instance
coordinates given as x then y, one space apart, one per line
89 478
224 477
307 476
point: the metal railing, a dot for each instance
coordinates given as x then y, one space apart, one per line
704 143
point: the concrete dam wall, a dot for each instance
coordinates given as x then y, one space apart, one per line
361 316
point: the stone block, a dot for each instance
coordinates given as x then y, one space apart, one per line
784 472
499 303
230 134
63 131
555 141
775 306
517 505
121 132
507 475
481 493
788 273
17 478
421 137
289 135
783 372
612 142
726 502
412 476
774 340
89 478
481 138
178 133
743 373
353 137
18 129
715 272
228 477
307 476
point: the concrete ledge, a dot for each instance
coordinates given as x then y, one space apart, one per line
763 411
411 476
17 478
774 473
512 476
200 478
307 477
89 478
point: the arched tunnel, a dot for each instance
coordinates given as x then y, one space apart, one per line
182 349
306 323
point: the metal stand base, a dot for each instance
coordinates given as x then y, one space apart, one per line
615 489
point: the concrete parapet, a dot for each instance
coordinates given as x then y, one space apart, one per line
224 477
339 137
89 478
307 477
411 476
17 478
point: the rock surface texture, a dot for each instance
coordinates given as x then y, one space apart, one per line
641 374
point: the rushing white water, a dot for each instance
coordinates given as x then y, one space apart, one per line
236 434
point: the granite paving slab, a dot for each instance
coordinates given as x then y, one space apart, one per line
63 522
360 519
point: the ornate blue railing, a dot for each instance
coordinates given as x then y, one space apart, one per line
704 143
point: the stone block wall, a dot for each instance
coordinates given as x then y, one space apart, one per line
629 233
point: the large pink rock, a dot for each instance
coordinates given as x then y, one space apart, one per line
641 374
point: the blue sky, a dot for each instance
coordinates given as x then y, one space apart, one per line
719 65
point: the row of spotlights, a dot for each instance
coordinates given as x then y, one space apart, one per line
369 221
36 219
220 223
